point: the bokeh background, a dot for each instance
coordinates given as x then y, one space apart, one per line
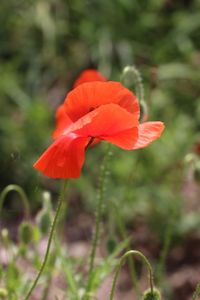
44 44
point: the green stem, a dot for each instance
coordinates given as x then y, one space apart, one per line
99 210
123 258
123 233
20 191
60 202
47 288
167 241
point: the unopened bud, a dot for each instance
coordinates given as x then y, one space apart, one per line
149 295
46 200
26 232
44 220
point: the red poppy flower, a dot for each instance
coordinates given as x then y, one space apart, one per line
96 110
88 75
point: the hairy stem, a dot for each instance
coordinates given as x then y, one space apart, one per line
124 235
99 210
20 191
60 202
123 258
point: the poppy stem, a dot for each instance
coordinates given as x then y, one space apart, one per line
58 209
124 235
20 191
121 262
99 210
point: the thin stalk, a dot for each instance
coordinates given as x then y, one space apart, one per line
165 250
131 264
47 288
99 210
20 191
123 258
60 202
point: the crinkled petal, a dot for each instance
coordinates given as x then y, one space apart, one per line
125 139
64 158
147 133
89 75
107 120
88 96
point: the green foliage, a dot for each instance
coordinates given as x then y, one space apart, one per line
44 45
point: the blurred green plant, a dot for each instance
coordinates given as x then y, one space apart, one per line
43 46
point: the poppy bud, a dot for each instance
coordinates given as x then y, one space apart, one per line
197 171
26 232
44 220
46 200
148 295
3 293
44 216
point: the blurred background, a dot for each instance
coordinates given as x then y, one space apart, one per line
44 44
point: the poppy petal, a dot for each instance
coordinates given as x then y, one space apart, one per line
107 120
89 75
64 158
62 124
88 96
60 112
62 121
147 133
125 139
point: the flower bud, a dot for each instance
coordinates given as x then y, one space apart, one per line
26 232
46 200
44 220
148 295
3 293
44 216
